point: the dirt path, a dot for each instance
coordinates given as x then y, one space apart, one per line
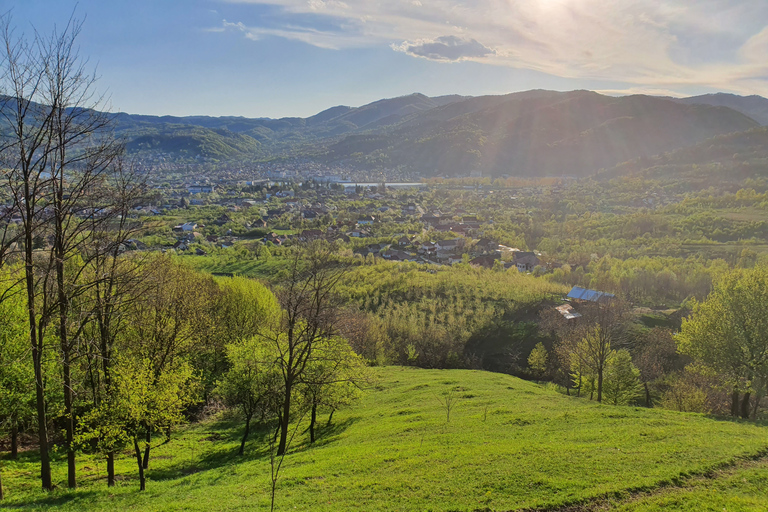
610 501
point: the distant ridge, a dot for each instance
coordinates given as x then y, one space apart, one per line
753 106
529 133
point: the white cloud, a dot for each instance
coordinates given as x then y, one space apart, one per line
649 43
446 48
319 5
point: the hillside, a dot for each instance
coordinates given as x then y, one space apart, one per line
509 444
189 141
724 161
541 134
753 106
328 123
532 133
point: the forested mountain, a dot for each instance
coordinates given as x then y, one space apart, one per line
539 134
193 141
532 133
753 106
723 161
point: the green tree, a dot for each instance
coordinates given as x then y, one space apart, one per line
537 360
245 308
589 359
622 379
332 379
16 376
142 401
252 383
171 323
729 332
591 339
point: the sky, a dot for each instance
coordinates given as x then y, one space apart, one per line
279 58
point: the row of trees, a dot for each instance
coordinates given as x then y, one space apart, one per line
109 346
155 338
717 362
727 335
66 204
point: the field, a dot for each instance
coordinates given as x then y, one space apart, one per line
508 444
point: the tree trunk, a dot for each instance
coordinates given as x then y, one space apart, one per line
312 418
600 385
735 402
69 415
245 436
285 420
745 406
14 441
42 427
111 469
142 484
70 424
147 446
647 395
756 407
330 417
37 364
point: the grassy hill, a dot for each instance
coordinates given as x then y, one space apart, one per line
510 444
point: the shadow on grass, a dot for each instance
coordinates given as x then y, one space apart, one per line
324 435
223 440
56 500
256 448
741 421
23 457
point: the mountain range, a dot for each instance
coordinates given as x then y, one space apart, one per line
532 133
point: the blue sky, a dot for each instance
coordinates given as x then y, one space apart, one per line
275 58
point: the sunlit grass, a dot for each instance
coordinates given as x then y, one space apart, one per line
509 444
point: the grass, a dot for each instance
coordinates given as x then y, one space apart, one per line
510 444
263 268
744 488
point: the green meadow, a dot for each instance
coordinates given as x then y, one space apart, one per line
508 444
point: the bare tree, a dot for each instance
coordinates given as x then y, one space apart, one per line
309 319
57 152
655 355
25 149
116 281
447 401
276 460
82 156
